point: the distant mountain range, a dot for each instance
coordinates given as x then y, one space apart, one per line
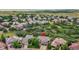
43 10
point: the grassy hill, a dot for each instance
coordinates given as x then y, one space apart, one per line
59 12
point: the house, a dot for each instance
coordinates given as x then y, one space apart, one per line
14 18
58 41
25 40
30 21
43 40
19 26
9 40
5 24
77 21
43 47
3 46
74 46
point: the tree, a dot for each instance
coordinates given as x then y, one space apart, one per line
3 38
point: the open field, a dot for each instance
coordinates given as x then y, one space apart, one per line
74 13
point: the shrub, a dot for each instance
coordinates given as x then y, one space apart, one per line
21 33
49 46
61 47
33 43
5 30
16 44
12 29
29 41
35 33
64 47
